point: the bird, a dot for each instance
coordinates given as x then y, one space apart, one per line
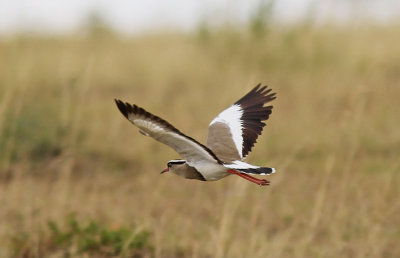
231 136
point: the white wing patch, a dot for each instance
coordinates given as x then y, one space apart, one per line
240 165
232 117
147 124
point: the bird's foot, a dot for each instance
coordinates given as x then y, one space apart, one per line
263 182
260 182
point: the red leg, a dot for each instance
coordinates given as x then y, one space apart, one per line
249 178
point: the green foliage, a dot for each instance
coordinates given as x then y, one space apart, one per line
92 238
96 238
261 20
96 26
203 33
31 135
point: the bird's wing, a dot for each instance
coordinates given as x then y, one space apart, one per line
232 134
162 131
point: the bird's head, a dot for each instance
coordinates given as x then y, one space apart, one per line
174 165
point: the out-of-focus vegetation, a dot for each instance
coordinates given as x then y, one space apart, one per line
76 239
334 138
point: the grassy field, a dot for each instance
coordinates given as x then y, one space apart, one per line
77 180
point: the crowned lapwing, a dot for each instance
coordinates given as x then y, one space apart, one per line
231 135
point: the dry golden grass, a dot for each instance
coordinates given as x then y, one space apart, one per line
334 138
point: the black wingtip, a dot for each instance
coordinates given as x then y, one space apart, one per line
258 95
264 90
123 107
255 111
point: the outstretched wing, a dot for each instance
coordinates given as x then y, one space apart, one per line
233 133
162 131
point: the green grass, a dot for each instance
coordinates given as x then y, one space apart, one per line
91 238
333 137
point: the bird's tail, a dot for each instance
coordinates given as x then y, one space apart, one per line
257 171
250 169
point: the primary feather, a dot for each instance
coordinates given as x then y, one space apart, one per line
164 132
233 133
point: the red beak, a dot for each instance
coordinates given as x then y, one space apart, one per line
165 170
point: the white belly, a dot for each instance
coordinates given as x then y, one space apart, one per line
211 171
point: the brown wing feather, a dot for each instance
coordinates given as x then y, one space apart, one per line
164 132
220 141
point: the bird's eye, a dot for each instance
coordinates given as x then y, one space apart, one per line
169 164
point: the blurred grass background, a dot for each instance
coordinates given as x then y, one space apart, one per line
76 179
